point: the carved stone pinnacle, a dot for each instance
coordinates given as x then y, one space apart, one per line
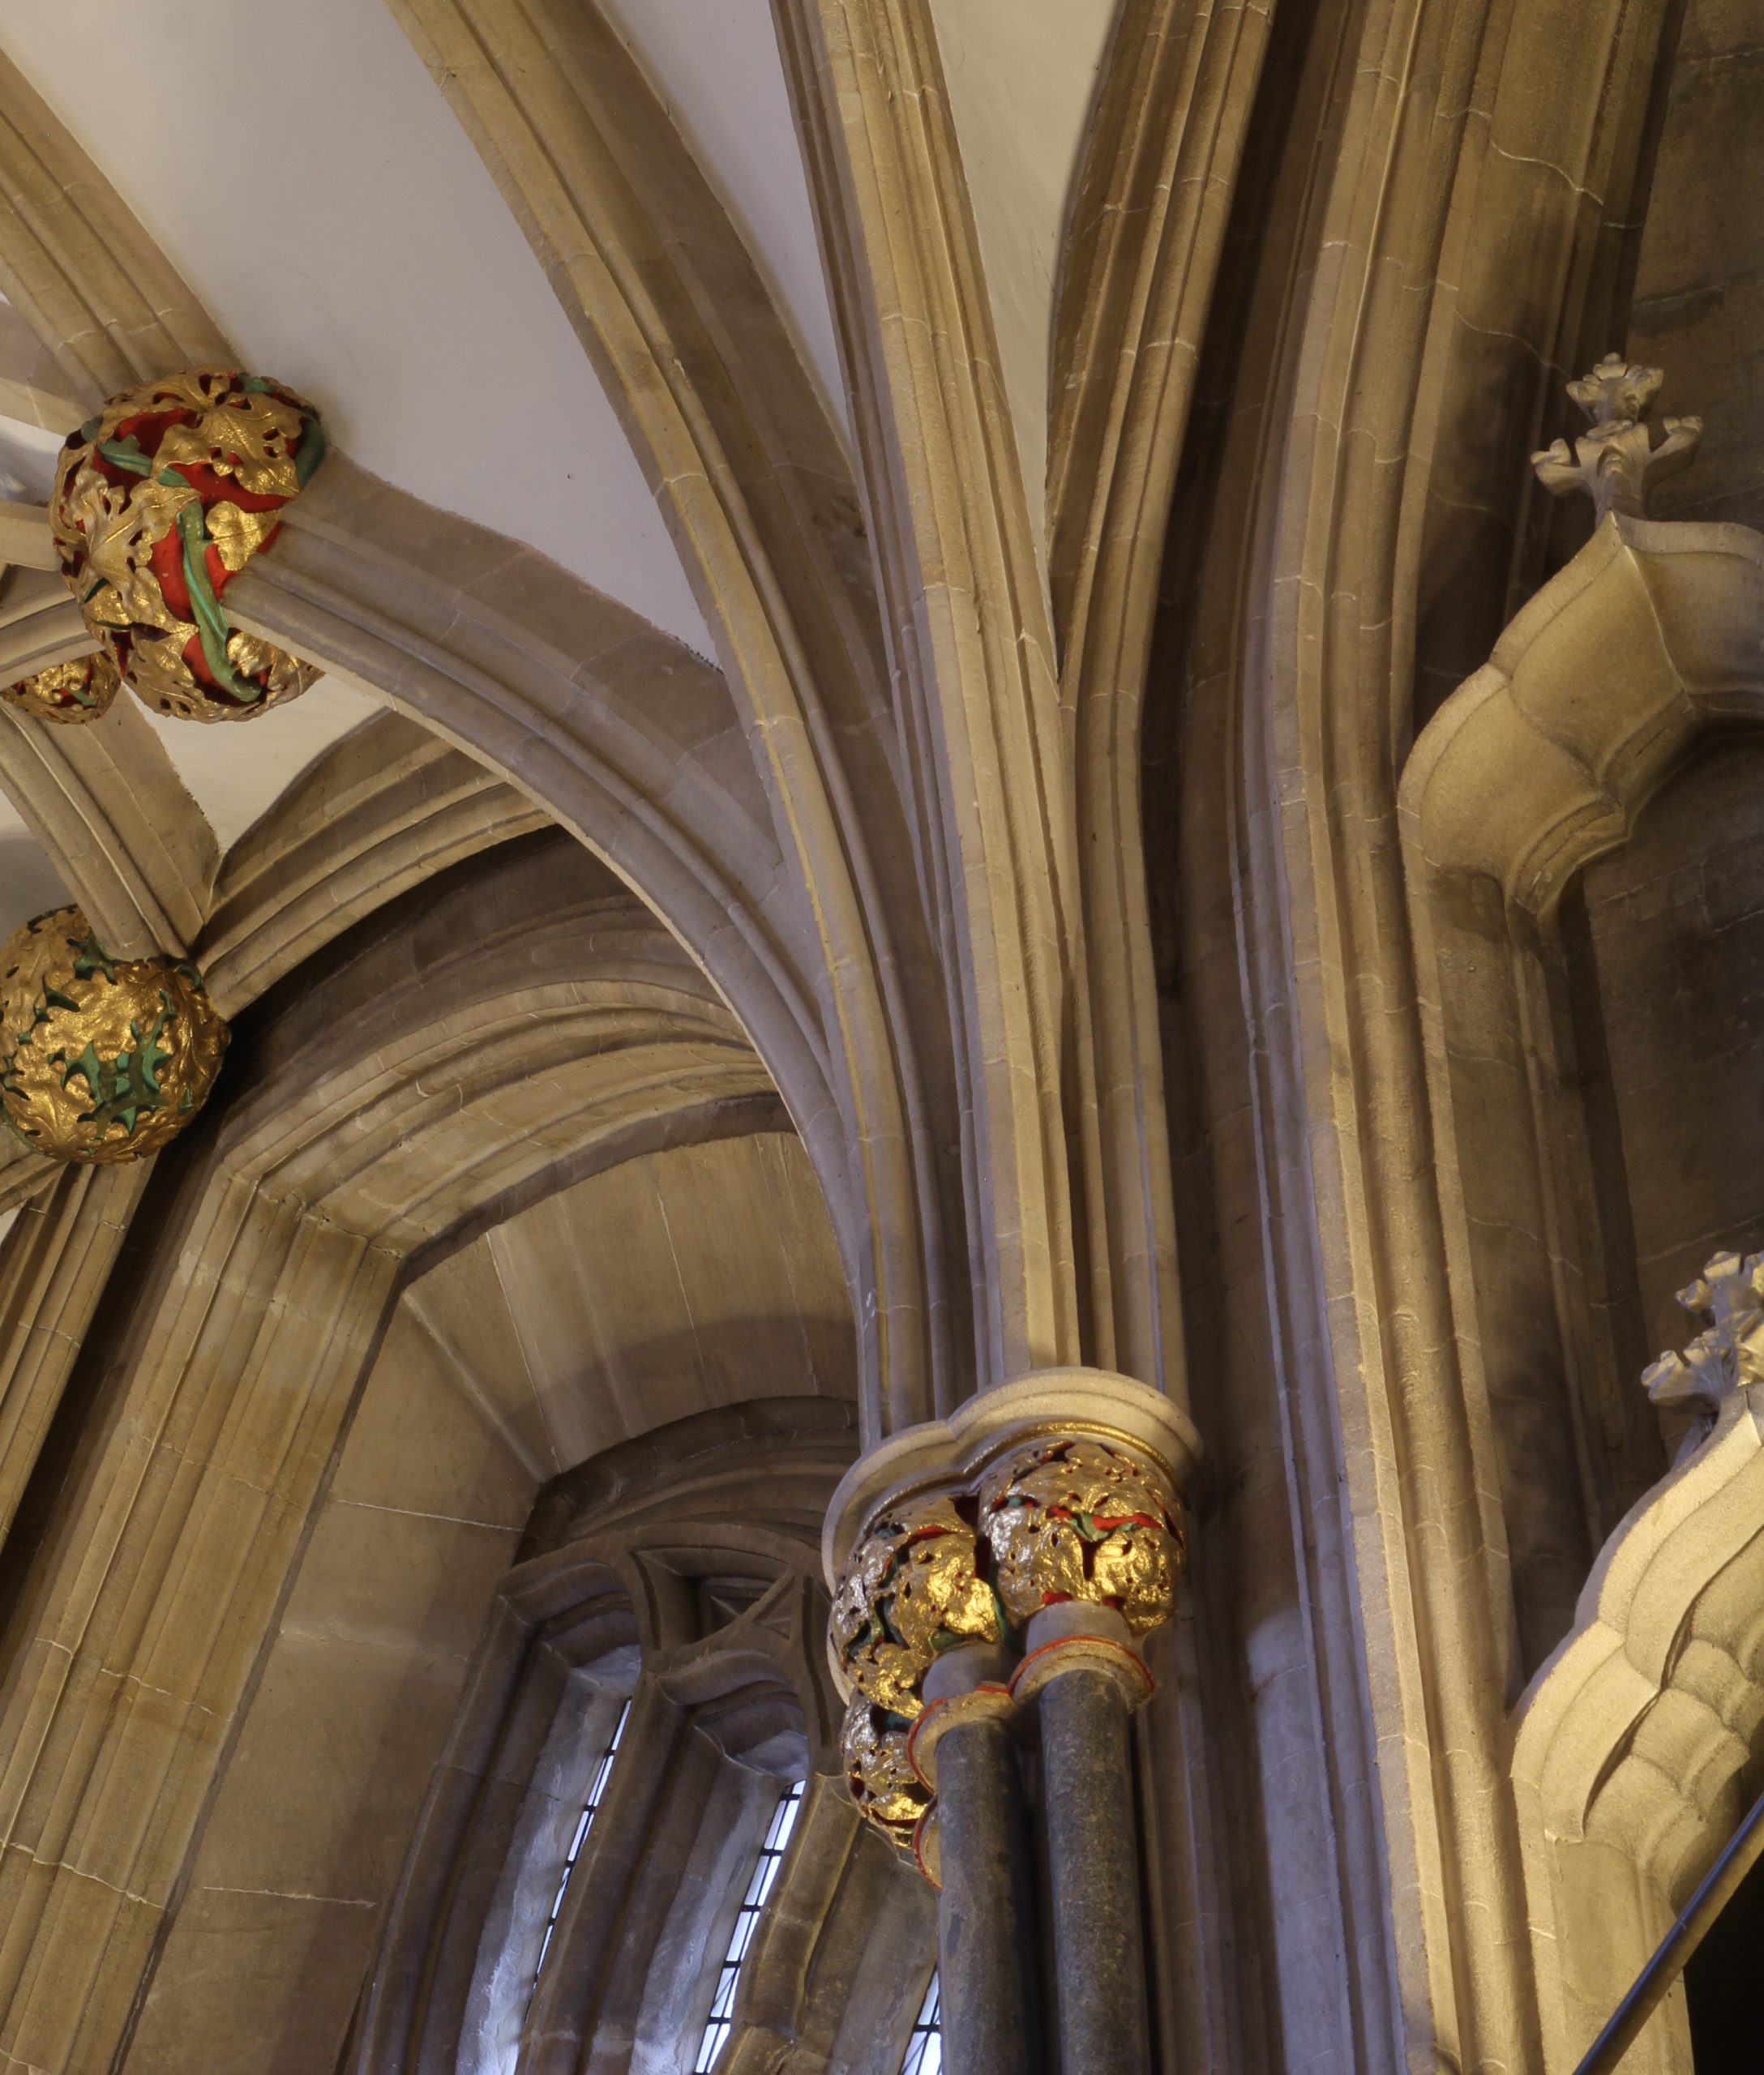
1615 460
1727 1356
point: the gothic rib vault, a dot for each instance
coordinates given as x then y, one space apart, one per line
982 995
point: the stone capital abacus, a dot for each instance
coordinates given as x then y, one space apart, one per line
943 1456
985 1701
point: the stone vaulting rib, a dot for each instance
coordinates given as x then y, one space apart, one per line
556 685
372 1124
388 806
74 263
1135 286
737 910
748 472
1379 1378
106 803
889 878
967 622
104 799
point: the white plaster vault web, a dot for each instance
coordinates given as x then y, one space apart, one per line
233 789
28 455
362 253
390 282
1022 76
715 65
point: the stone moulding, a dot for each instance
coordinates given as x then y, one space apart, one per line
1149 218
387 806
103 798
1543 759
760 503
508 1062
1628 1742
660 789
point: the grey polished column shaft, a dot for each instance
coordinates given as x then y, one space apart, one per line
1093 1850
987 1937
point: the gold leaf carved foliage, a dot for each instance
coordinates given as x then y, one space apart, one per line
912 1589
82 690
160 501
1076 1520
878 1774
101 1059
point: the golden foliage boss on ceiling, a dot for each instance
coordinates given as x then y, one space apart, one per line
160 501
82 690
101 1059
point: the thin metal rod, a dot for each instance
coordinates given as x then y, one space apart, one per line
1744 1850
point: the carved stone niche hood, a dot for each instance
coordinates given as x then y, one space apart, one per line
1646 1658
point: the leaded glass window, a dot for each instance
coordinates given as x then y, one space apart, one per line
925 2048
585 1823
759 1886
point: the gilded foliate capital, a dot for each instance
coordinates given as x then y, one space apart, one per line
1077 1519
888 1794
912 1589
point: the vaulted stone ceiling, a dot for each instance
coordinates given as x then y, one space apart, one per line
739 578
456 1050
357 248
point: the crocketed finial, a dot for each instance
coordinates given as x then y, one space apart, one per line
1614 460
1727 1355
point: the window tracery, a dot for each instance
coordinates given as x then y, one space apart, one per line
647 1574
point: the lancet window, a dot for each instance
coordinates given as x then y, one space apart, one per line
760 1883
590 1809
652 1737
925 2048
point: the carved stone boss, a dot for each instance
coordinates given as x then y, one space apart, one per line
160 501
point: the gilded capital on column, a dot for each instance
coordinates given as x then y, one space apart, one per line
888 1792
1050 1508
1074 1519
910 1591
